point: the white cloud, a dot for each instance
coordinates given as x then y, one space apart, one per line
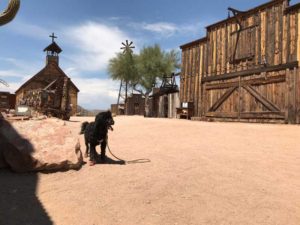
96 93
166 30
162 28
13 86
95 44
30 30
20 67
9 73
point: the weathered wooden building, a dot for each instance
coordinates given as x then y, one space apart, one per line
247 66
7 101
117 109
164 100
135 105
50 88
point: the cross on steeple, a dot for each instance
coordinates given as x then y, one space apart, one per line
53 37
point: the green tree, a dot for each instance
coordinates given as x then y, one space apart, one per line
144 71
123 68
152 65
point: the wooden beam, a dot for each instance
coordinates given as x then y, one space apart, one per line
292 8
270 106
219 102
222 114
252 82
245 28
262 115
247 115
251 72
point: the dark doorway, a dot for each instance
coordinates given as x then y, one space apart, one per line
136 109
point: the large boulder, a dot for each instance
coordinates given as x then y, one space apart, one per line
41 145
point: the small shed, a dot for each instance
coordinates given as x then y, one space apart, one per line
117 109
135 105
7 101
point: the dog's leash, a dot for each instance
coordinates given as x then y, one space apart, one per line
131 161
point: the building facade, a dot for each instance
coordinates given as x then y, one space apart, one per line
247 67
135 105
7 101
50 89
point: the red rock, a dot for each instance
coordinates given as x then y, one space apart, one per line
43 145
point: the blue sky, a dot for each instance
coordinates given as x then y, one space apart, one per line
90 32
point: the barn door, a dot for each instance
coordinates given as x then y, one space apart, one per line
258 98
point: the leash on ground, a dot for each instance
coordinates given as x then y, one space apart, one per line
130 161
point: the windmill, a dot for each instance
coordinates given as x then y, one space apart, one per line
127 49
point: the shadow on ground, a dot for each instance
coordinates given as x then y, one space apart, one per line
18 201
109 161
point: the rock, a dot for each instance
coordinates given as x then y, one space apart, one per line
43 145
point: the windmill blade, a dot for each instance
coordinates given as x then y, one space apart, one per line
127 47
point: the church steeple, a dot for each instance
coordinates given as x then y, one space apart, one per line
52 51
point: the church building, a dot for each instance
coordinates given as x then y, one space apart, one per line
50 90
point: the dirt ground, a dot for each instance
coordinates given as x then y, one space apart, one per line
200 173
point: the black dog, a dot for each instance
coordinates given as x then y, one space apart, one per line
95 133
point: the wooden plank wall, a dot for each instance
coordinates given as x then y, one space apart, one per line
269 36
130 105
269 39
173 103
193 69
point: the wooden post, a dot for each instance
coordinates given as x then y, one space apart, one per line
291 96
239 100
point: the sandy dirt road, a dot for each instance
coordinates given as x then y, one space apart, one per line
200 173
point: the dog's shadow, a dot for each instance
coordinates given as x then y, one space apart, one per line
109 161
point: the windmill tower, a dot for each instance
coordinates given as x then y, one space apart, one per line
123 90
4 83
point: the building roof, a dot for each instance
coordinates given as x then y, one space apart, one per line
42 72
292 8
135 94
193 43
245 13
248 12
53 47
